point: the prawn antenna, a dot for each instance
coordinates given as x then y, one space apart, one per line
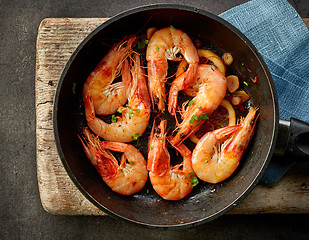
143 27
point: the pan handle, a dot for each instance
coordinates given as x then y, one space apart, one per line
293 140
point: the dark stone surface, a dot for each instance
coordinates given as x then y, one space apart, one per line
21 213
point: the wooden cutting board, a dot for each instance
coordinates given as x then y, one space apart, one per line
57 39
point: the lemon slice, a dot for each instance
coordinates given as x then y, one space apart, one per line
222 117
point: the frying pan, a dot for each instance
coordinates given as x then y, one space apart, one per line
207 201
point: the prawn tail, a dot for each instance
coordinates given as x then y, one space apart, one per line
226 131
250 121
190 75
126 75
185 131
114 146
89 108
172 100
94 123
177 85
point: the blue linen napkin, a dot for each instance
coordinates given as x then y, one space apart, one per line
281 37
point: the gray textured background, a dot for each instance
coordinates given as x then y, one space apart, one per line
21 213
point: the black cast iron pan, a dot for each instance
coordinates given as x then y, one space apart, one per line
206 201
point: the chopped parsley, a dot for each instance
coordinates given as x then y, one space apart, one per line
196 118
114 119
142 43
157 48
151 147
194 180
74 88
135 137
172 27
190 103
131 114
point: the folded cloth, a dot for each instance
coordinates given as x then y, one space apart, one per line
282 38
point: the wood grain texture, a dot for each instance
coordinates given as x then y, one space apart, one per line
57 40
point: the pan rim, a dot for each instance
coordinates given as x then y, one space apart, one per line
241 36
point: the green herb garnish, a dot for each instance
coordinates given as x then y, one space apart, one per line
196 118
142 43
114 119
246 83
74 88
131 114
194 180
151 147
135 137
190 103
